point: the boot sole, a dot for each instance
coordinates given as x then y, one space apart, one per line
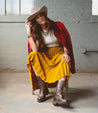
61 104
42 100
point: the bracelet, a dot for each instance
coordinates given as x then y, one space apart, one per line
29 36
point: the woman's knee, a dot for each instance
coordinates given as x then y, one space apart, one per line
63 79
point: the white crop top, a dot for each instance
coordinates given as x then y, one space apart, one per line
50 40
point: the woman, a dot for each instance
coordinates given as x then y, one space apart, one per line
51 57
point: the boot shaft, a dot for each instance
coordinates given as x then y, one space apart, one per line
60 86
42 86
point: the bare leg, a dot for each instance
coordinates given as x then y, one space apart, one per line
63 79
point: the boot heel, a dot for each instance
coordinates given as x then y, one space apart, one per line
47 92
55 103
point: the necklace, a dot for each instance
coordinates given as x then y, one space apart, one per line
45 32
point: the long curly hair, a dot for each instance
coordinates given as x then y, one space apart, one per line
36 29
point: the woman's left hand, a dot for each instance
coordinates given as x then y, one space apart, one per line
66 57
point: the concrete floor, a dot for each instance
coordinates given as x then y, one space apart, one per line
16 95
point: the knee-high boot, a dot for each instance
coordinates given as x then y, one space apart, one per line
43 90
59 99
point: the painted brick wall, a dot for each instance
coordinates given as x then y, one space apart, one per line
75 14
68 11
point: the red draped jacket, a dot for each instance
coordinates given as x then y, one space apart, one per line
65 39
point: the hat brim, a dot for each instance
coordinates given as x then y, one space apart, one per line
42 10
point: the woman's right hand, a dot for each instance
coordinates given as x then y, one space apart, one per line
27 25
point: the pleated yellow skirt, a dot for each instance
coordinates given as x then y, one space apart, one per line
49 65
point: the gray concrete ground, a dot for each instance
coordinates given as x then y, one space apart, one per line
16 95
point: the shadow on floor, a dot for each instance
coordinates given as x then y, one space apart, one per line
78 94
75 94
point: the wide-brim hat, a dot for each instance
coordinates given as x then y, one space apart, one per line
35 11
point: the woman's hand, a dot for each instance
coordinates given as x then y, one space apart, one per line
66 57
27 25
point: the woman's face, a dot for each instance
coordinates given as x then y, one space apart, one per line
40 19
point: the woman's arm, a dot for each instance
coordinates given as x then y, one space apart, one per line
34 45
65 50
65 57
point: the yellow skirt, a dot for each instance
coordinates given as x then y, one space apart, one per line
49 65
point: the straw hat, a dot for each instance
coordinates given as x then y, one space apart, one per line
35 11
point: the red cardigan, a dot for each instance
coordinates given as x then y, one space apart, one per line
65 39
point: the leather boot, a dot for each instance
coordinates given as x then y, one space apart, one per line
43 90
59 99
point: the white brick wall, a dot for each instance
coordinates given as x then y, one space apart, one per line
68 11
75 14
